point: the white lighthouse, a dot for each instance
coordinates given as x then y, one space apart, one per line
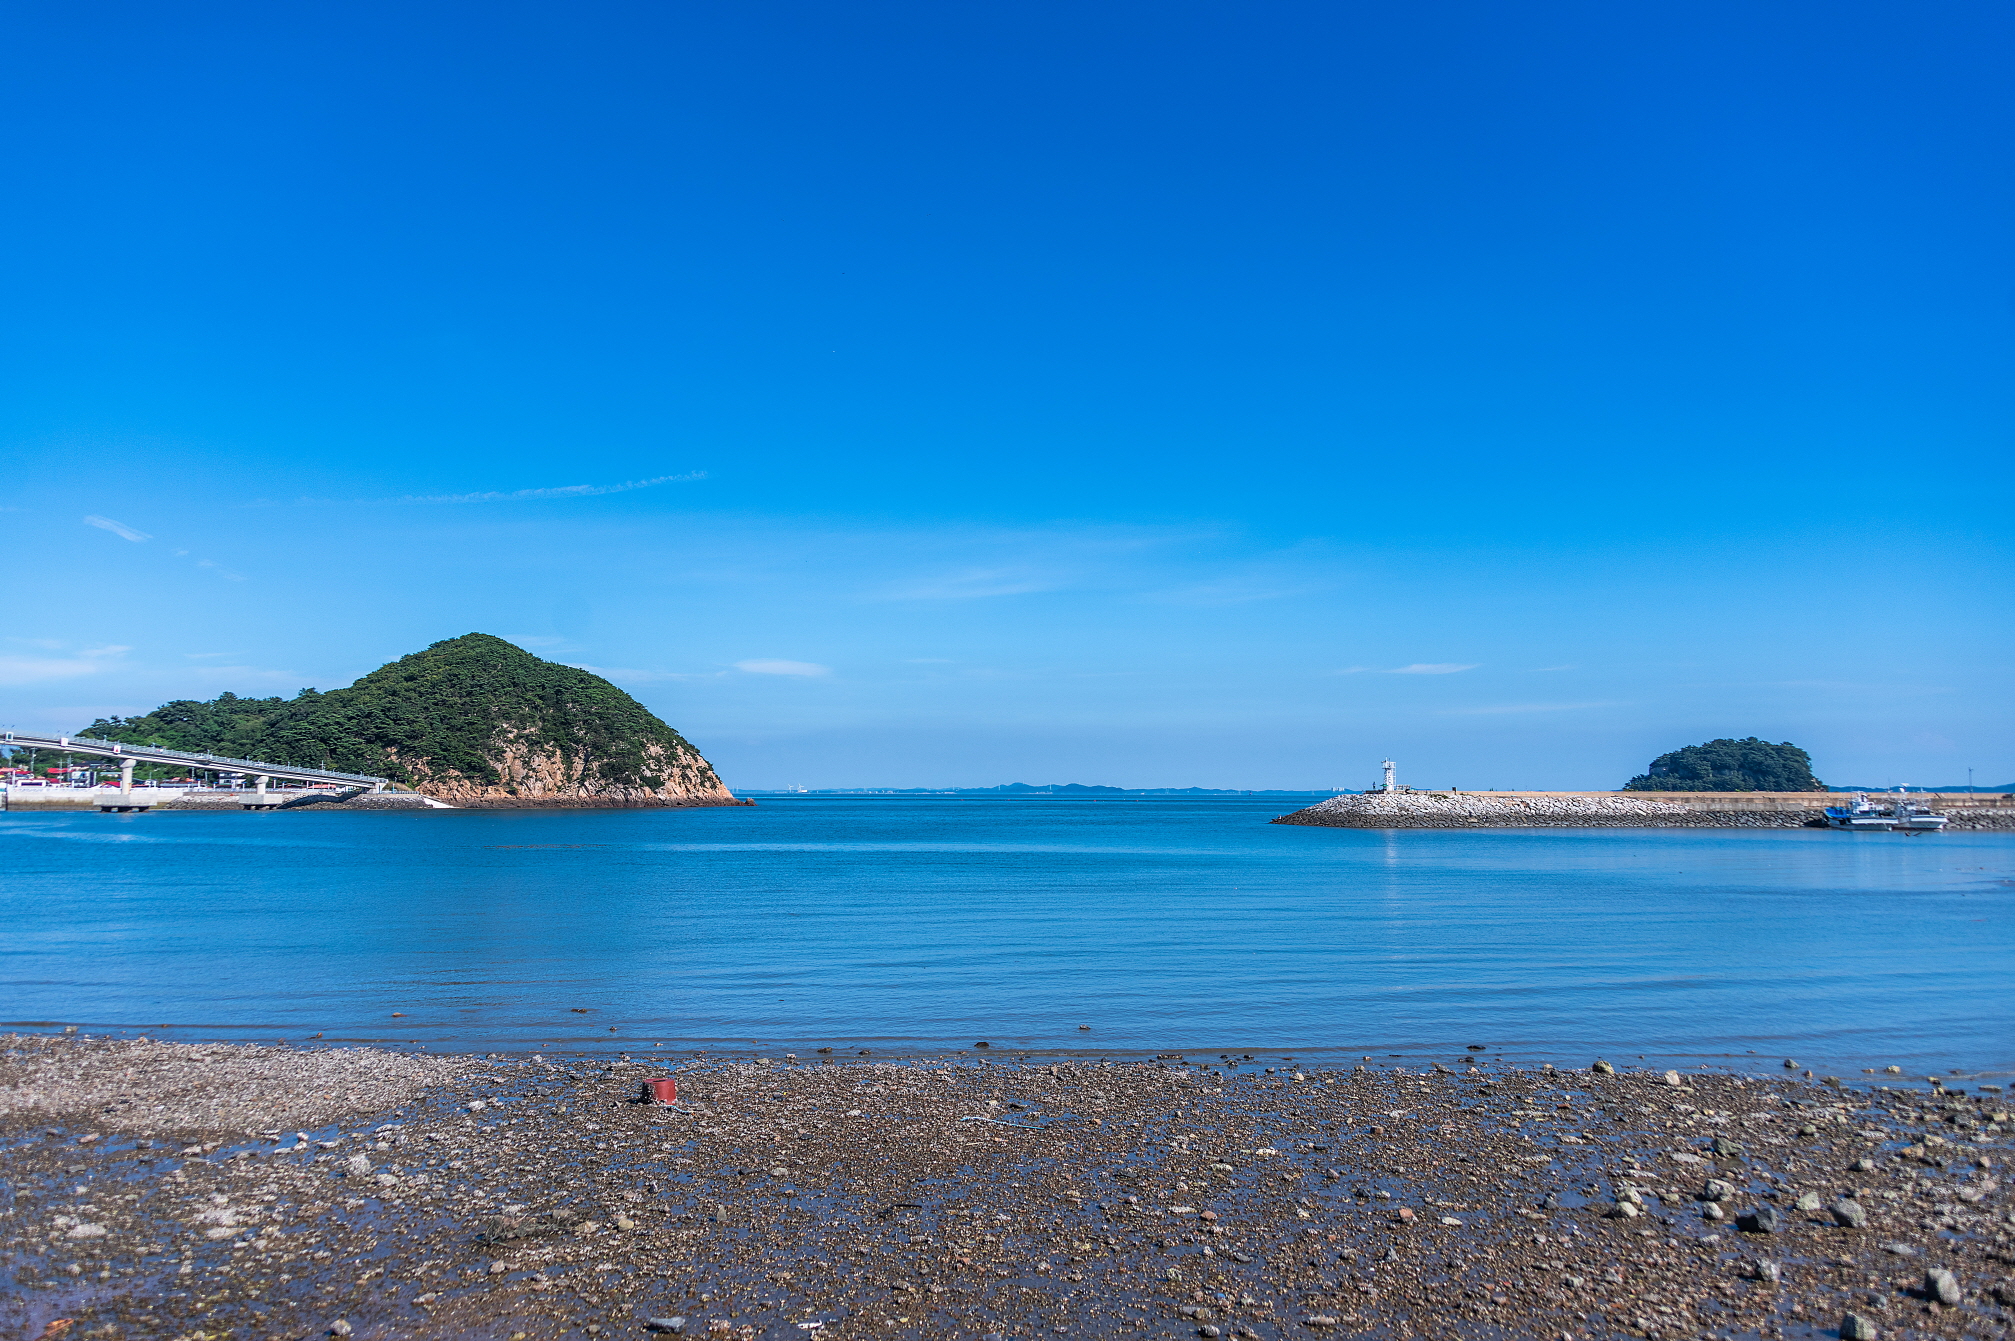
1390 784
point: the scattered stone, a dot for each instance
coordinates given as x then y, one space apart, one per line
1810 1201
1672 1078
1850 1214
1602 1068
1855 1327
673 1325
1941 1285
1765 1270
1762 1220
582 1198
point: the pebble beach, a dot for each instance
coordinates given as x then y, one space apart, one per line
210 1190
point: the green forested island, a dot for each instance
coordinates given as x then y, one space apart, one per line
1749 765
470 718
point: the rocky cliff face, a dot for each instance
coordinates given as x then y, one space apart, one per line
525 772
475 721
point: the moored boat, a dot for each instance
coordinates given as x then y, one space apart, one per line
1904 814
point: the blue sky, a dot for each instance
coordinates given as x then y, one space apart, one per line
906 394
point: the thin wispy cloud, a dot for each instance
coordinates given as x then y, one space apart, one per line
35 670
135 534
1417 668
771 667
522 495
228 676
1525 707
973 584
638 675
1232 591
118 528
27 670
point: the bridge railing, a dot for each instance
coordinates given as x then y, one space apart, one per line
120 749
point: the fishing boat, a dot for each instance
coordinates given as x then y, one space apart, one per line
1901 813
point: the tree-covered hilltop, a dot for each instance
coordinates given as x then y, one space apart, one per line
472 716
1749 765
226 725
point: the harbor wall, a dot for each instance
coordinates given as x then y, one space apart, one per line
1623 810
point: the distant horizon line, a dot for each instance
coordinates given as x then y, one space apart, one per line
1034 789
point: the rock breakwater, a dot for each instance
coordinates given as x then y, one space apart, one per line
1465 810
1615 810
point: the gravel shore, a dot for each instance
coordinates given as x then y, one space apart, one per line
197 1192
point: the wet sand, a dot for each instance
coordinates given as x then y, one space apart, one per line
205 1191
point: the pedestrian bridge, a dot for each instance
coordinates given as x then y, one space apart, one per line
129 755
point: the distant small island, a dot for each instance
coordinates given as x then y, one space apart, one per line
1748 765
473 720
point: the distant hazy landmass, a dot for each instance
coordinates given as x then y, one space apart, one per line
1913 787
1030 789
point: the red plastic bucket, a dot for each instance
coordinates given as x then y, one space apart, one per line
661 1091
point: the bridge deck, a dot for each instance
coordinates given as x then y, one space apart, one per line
154 754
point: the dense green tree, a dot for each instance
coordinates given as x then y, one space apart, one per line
1749 765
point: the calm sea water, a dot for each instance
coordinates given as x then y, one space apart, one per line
904 925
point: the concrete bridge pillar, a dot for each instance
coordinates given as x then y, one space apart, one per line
126 778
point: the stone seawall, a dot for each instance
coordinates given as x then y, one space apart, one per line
1617 810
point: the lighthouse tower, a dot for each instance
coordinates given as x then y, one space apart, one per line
1390 784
